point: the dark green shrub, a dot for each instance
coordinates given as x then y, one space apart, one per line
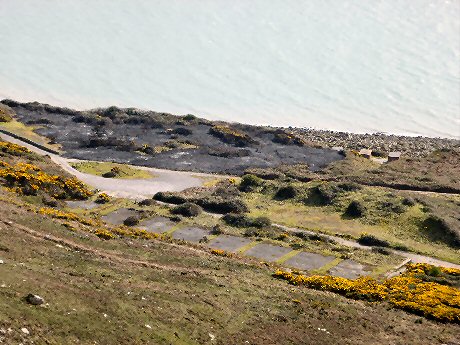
401 247
261 222
439 229
252 233
176 218
187 209
189 117
355 209
371 240
219 205
169 197
391 206
348 186
182 131
408 201
237 220
286 192
243 221
323 194
131 221
147 202
381 250
265 173
250 183
109 174
434 271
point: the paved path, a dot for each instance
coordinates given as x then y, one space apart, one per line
414 258
164 180
169 180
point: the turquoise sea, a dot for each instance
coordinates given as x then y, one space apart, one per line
360 66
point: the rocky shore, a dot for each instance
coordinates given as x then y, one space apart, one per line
381 144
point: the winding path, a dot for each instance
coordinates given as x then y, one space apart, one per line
413 257
170 180
163 180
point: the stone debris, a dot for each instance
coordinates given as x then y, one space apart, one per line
34 299
25 330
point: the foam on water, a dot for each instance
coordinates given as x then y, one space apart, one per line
359 66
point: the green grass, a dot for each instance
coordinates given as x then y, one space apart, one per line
401 229
192 295
100 168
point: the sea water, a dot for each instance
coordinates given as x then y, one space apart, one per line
360 66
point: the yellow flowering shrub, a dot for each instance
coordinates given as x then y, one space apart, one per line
407 292
426 269
104 234
102 198
12 149
220 252
67 216
29 179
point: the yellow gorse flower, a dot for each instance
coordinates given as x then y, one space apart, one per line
407 291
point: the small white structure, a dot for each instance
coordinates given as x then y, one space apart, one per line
339 149
366 153
394 156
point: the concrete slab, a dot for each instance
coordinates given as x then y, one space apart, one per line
82 204
190 234
117 217
157 224
308 261
348 269
267 252
228 243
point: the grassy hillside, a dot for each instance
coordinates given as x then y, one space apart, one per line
148 292
117 285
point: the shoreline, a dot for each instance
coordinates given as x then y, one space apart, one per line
82 108
380 143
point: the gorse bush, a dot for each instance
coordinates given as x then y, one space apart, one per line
12 149
29 179
169 197
187 209
407 291
243 221
370 240
355 209
147 202
102 198
250 182
286 192
131 221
